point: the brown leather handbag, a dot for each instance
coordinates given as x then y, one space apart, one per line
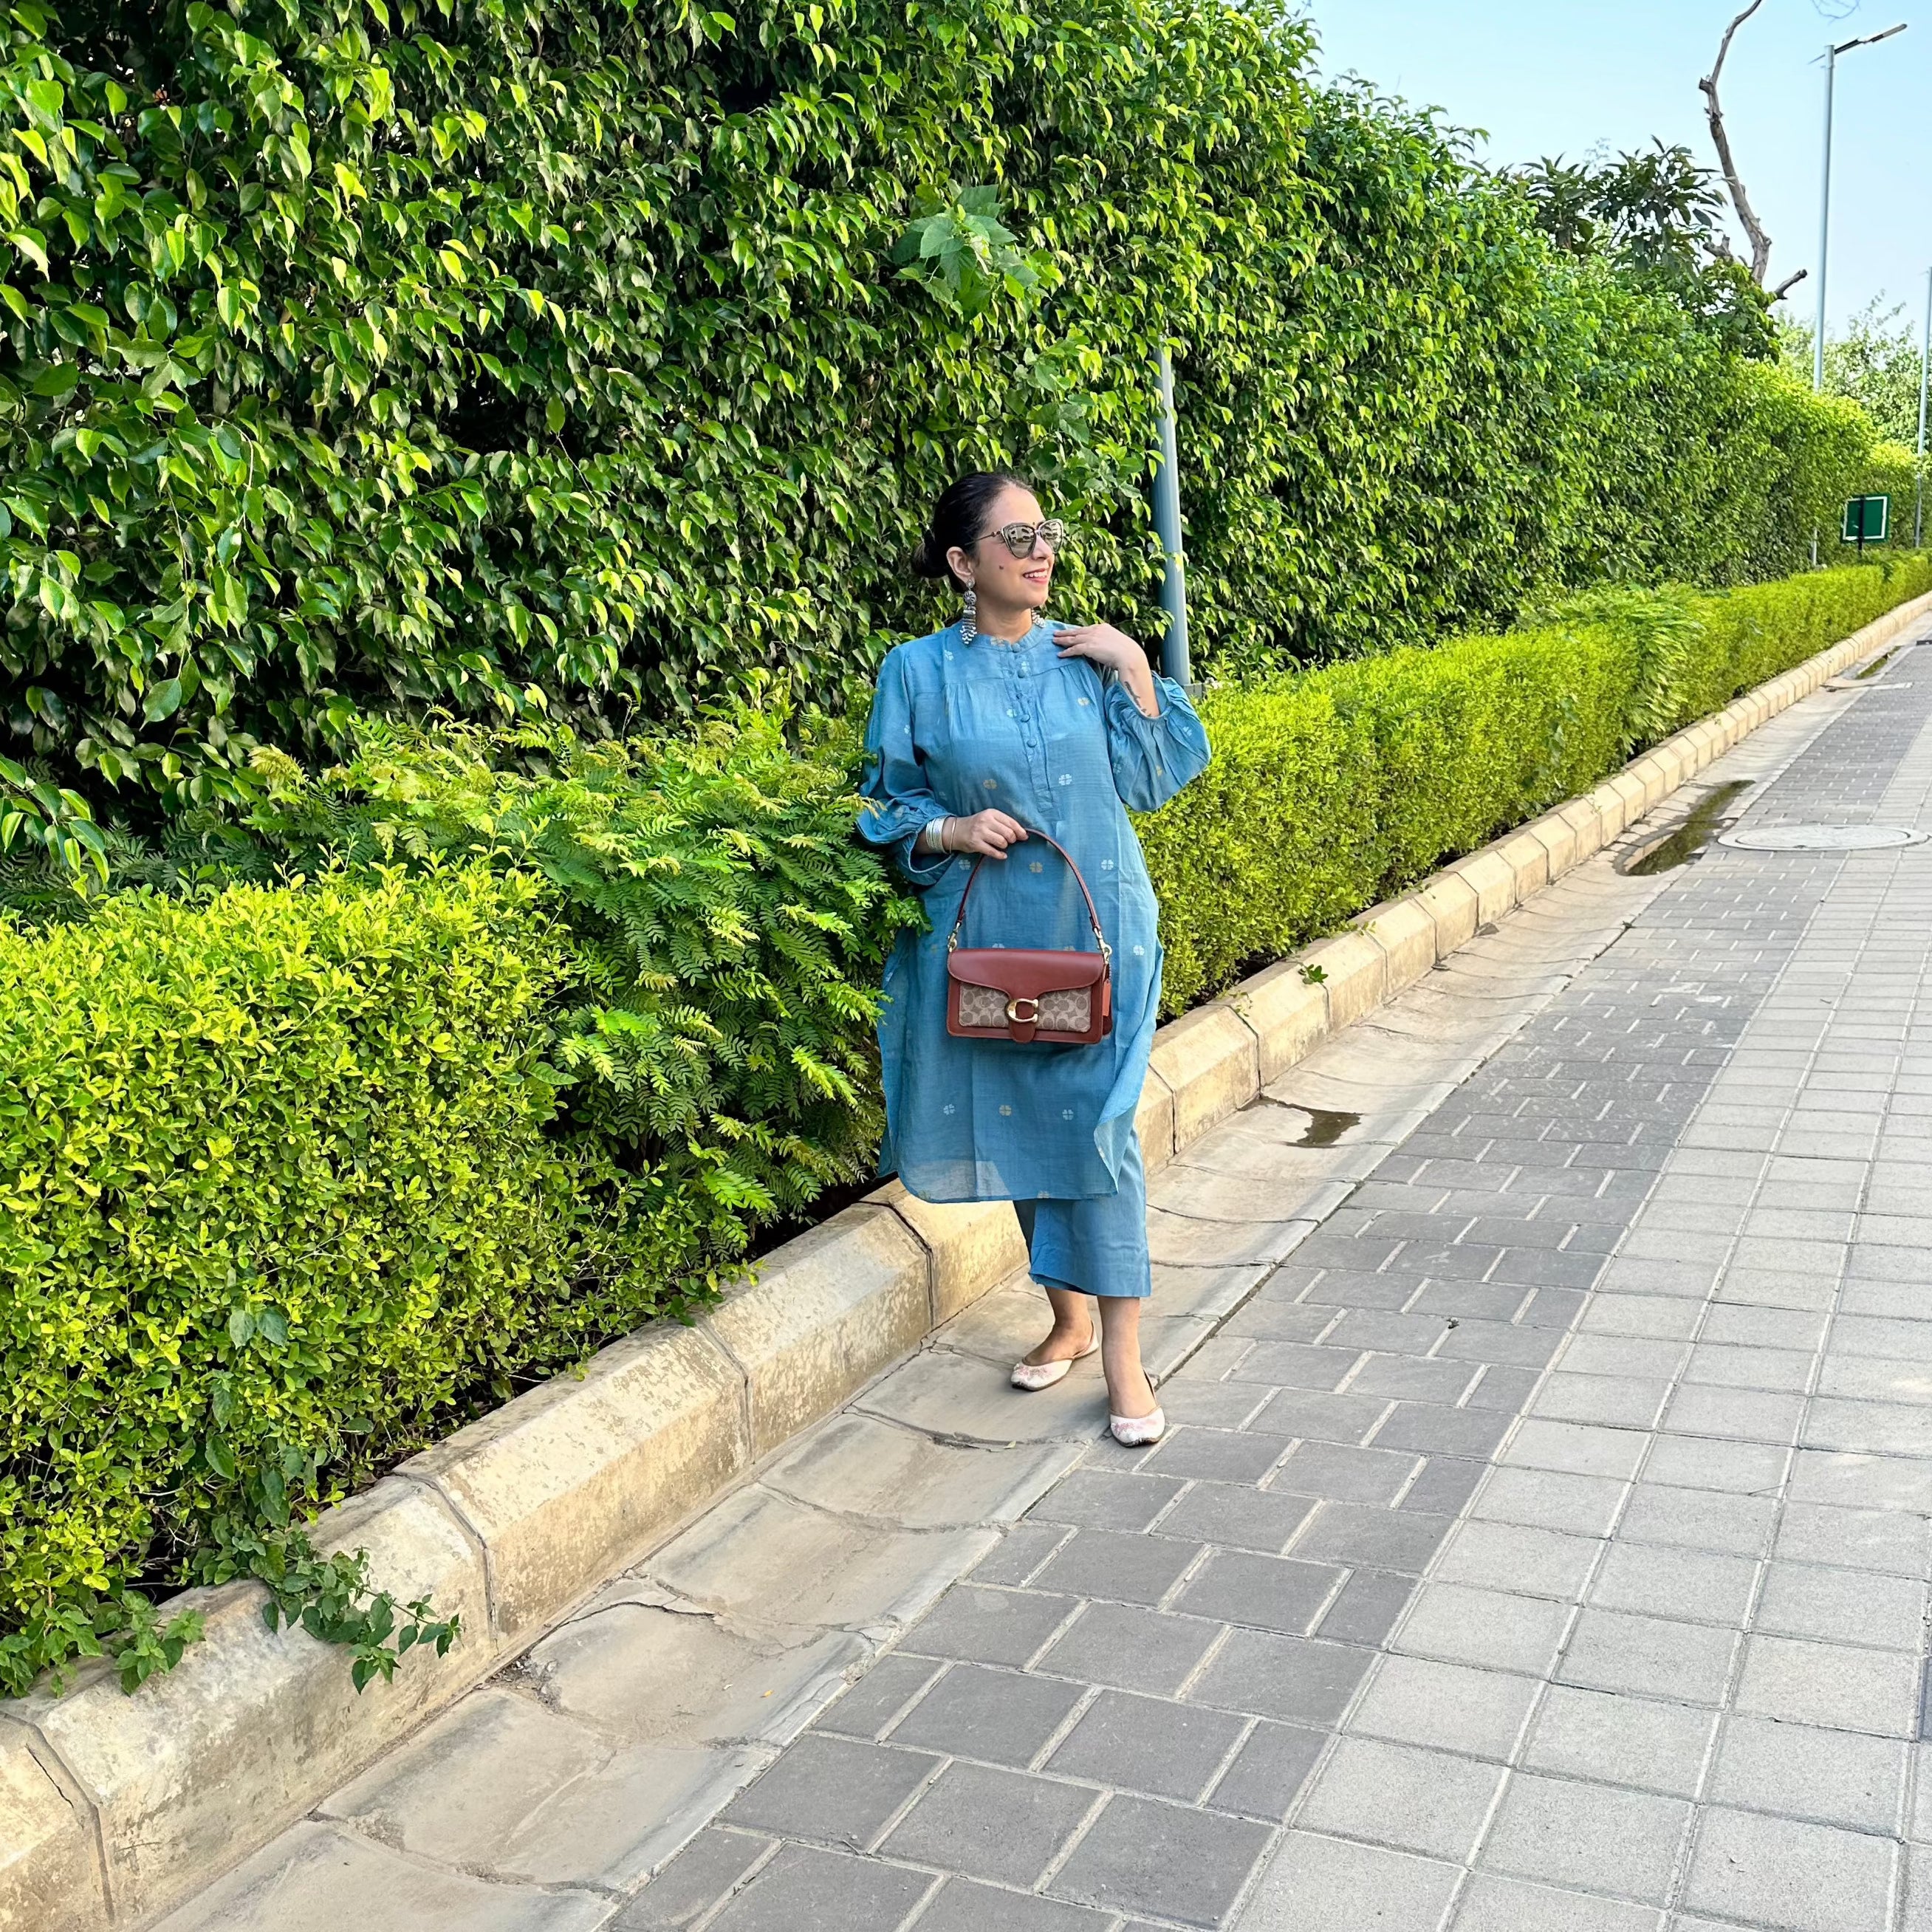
1030 998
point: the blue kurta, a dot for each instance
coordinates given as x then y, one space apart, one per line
1061 746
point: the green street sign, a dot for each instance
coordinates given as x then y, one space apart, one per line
1867 520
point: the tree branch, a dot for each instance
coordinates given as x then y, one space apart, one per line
1790 283
1760 242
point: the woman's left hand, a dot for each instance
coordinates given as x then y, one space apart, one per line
1118 652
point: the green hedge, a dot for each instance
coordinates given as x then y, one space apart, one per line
295 1176
278 1189
373 358
1333 789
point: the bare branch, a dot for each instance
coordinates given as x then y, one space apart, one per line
1790 283
1760 242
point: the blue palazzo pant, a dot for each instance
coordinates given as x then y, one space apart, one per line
1097 1245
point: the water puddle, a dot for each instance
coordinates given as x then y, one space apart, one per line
1876 665
1690 838
1324 1127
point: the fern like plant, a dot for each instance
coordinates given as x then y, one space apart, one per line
729 932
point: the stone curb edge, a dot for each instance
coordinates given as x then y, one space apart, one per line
113 1808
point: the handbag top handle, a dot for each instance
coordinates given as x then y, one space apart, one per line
1093 917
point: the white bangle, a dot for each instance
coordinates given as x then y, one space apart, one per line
932 835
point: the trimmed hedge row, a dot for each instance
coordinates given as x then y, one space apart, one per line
1333 789
292 1177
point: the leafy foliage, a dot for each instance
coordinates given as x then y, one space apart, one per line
281 1198
552 358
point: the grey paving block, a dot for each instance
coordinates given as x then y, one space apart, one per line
1777 1871
1211 1405
1696 1585
826 1891
1342 1886
1412 1378
1493 1904
1272 1317
1609 1650
1351 1287
1695 1462
832 1790
1854 1606
1451 1707
963 1906
1539 1562
1185 1864
1550 1499
1344 1473
1365 1610
1107 1499
1399 1796
1296 1365
1489 1628
1266 1592
1799 1681
1594 1837
1217 1455
1631 1741
1385 1329
1321 1418
1354 1533
1474 1301
1122 1568
976 1711
878 1696
1018 1553
1292 1679
1269 1771
1583 1449
1504 1343
1835 1777
1235 1517
1507 1390
694 1881
1748 1415
1885 1540
1620 1402
1433 1429
1147 1744
1445 1483
1131 1648
1002 1825
1720 1520
981 1626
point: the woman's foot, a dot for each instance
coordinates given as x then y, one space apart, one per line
1136 1400
1054 1359
1143 1424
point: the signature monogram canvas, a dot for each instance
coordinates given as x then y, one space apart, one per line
1011 993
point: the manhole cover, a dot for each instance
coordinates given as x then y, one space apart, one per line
1821 838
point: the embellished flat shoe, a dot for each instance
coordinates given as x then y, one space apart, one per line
1138 1431
1034 1376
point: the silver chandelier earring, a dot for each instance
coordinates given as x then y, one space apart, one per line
969 620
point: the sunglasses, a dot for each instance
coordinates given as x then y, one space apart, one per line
1020 538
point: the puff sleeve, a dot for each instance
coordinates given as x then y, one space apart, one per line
1154 758
899 803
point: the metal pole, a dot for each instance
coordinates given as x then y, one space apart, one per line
1919 468
1167 527
1824 225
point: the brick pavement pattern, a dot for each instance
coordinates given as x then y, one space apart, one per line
1541 1545
1544 1543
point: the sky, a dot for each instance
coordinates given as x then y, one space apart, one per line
1567 76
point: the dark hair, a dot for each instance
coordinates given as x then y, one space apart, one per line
959 518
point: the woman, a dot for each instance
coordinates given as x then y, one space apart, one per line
1000 723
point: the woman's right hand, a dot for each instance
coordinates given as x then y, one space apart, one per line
986 834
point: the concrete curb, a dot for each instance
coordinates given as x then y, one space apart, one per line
114 1808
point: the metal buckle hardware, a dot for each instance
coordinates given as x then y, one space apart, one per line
1016 1016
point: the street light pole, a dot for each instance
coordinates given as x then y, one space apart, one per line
1924 379
1174 662
1831 54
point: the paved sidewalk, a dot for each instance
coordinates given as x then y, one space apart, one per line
1542 1546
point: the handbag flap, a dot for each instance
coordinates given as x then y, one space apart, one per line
1021 974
